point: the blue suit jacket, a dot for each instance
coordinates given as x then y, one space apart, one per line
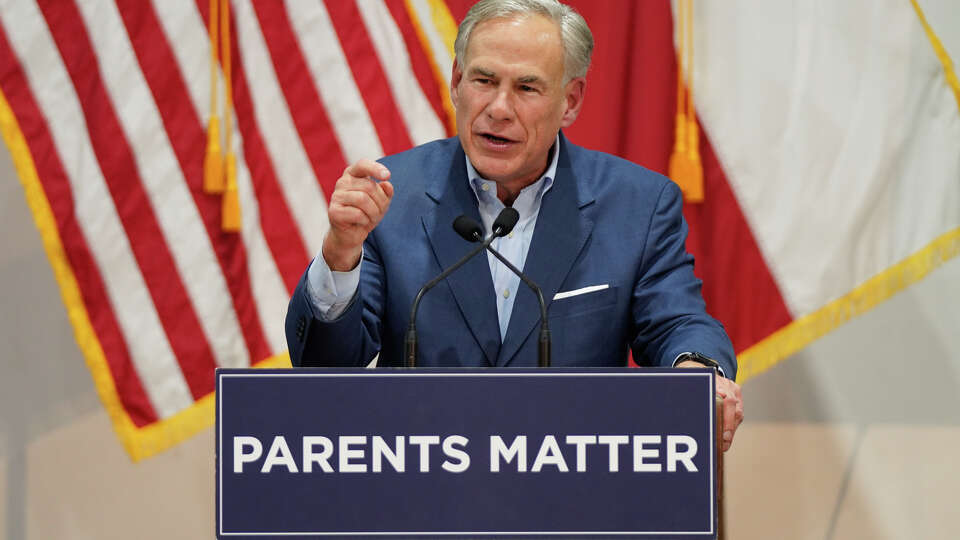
605 221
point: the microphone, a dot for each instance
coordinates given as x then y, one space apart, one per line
469 229
506 220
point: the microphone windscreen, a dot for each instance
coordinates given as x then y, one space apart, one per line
505 221
468 229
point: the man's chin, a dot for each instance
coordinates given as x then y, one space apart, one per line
497 170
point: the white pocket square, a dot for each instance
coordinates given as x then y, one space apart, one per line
585 290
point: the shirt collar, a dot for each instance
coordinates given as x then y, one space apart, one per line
542 184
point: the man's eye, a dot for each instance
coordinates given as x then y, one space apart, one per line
482 81
527 88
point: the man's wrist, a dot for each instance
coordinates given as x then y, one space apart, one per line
340 258
699 358
330 292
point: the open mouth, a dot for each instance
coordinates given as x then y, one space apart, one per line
495 139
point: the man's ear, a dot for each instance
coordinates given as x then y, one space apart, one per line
574 100
455 78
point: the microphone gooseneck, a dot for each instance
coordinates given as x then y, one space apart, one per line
543 356
471 231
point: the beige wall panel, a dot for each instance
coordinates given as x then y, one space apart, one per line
3 499
81 485
903 485
783 480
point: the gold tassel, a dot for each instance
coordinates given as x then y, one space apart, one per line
694 183
678 158
213 161
230 218
686 167
693 187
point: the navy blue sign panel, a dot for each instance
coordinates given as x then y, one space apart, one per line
465 453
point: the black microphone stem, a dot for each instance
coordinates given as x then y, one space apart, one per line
543 358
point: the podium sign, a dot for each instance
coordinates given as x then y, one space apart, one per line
314 453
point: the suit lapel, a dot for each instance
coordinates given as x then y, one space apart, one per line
560 235
471 285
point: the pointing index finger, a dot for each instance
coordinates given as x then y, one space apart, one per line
368 168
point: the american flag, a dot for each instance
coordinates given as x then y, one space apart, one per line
111 101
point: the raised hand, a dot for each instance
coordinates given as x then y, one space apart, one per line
358 203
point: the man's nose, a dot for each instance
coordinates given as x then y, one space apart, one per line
501 107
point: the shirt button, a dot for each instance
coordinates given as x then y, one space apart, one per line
485 187
506 293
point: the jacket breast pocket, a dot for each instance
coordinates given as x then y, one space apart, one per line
586 330
582 304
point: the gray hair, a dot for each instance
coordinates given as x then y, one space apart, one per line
575 34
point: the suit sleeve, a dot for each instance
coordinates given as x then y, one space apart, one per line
353 338
668 307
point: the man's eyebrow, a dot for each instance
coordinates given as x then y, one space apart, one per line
528 79
481 71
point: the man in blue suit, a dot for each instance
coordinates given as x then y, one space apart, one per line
603 238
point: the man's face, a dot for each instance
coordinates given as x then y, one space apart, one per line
511 99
